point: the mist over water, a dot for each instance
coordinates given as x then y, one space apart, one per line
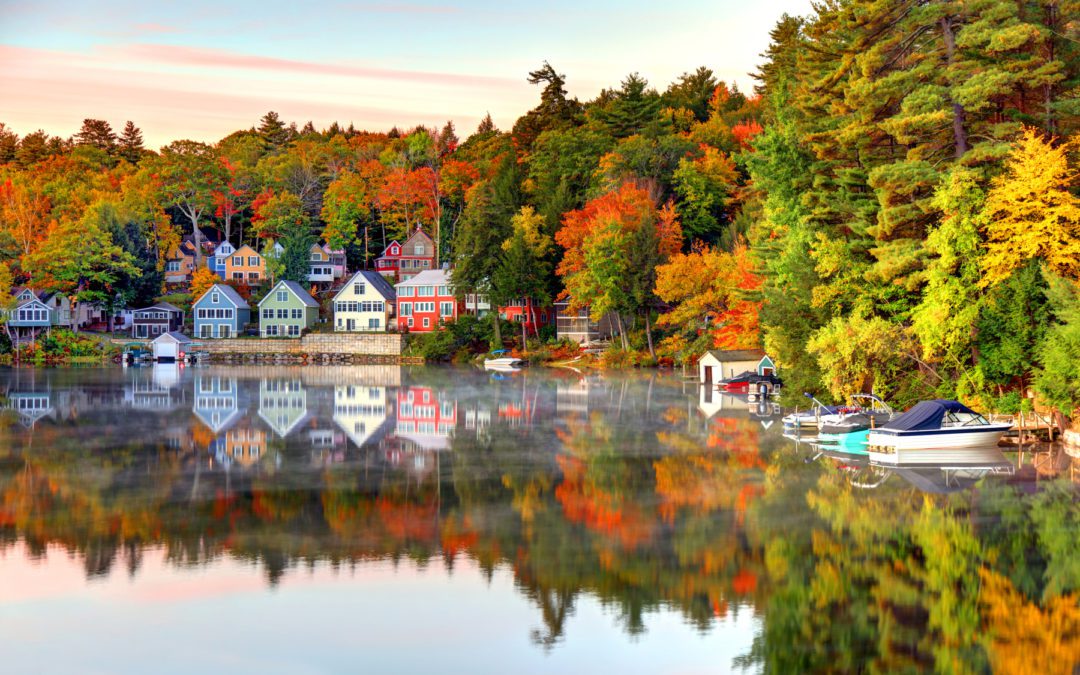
409 519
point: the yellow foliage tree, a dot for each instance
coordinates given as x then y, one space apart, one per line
201 281
1031 213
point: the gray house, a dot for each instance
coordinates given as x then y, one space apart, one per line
220 313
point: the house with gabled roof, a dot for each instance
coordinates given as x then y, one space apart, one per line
246 266
220 312
325 264
404 261
364 304
31 315
282 404
287 310
180 262
152 321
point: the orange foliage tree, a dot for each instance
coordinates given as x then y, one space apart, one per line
613 245
201 281
712 287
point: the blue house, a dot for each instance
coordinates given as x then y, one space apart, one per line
31 316
220 313
221 254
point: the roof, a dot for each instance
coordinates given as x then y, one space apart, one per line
927 415
253 251
428 278
161 305
386 251
725 355
374 279
419 232
296 289
175 335
235 298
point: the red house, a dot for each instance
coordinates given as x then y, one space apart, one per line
529 313
425 301
404 261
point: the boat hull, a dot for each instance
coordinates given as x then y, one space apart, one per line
900 447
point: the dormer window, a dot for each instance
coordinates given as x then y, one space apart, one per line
215 297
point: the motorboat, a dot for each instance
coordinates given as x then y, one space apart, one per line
498 361
930 426
750 381
809 418
865 411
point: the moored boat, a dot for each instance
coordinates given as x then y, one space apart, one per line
930 426
865 411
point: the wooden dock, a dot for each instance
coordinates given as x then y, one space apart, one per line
1027 423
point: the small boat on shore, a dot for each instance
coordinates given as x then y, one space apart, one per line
498 362
930 426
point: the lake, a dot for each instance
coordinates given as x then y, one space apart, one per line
438 519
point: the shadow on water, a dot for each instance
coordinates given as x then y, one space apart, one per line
634 489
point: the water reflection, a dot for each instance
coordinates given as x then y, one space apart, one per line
635 491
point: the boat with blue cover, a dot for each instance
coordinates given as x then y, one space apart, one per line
940 424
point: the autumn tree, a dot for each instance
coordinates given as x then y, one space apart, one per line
188 173
714 288
523 269
202 280
1031 213
130 143
613 247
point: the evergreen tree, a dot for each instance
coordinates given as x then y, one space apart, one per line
98 134
633 109
448 140
130 144
692 92
487 125
555 111
274 133
9 144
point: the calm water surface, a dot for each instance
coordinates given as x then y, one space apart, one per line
449 520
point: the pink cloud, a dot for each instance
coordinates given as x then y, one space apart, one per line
153 28
218 58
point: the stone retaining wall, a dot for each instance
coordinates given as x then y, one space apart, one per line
324 348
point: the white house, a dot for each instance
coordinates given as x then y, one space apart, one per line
717 365
365 303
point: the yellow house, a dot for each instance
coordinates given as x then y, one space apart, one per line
364 304
245 265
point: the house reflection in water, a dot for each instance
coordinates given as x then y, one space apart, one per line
31 406
361 412
282 404
244 445
425 421
216 403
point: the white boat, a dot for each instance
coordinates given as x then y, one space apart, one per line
504 362
929 427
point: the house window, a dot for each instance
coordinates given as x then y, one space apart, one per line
410 322
406 291
294 330
358 289
215 298
253 261
444 290
446 309
223 331
427 322
373 324
425 291
405 309
418 249
271 330
238 260
172 266
238 276
283 314
205 332
282 296
268 313
298 314
253 276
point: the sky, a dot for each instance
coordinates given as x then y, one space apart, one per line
200 69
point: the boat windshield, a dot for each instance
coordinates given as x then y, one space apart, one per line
962 419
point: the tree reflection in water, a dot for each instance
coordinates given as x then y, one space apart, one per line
613 487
